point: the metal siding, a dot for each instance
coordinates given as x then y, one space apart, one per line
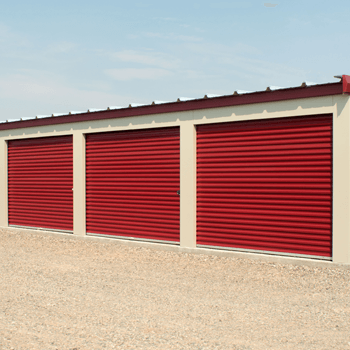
40 181
266 185
131 182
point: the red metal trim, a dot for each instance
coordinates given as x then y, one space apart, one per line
346 84
222 101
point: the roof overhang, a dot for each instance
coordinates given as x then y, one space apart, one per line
304 91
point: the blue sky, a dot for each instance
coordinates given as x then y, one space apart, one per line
57 57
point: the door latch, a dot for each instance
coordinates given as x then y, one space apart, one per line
178 192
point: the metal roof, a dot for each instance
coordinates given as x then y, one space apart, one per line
239 97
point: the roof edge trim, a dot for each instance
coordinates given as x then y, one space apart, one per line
320 90
346 84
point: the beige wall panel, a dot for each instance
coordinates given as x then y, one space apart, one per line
3 184
341 178
79 192
187 185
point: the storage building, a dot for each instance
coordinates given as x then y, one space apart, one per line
264 172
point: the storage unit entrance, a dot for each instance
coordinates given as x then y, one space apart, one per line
132 179
266 185
40 182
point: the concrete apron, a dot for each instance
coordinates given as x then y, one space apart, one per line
311 262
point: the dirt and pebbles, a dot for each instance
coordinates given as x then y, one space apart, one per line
58 293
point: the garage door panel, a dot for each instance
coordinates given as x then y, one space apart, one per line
140 223
154 179
136 186
276 242
136 173
213 219
136 156
133 170
38 174
126 228
213 225
146 207
239 134
298 153
273 168
309 194
254 204
222 205
280 247
286 159
146 212
264 233
277 212
37 160
168 148
131 182
44 223
39 206
157 235
274 138
267 145
97 192
323 201
293 241
266 185
39 213
132 196
247 185
40 181
263 216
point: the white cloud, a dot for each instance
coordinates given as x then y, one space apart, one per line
11 38
24 87
147 58
36 92
173 36
125 74
4 32
61 47
268 4
242 61
166 19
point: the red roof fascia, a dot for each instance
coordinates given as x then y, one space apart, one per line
222 101
346 84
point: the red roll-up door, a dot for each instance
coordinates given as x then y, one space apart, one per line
266 185
132 179
40 181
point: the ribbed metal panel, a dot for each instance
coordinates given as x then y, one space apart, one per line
40 181
131 182
266 185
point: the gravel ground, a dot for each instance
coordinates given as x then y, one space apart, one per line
58 293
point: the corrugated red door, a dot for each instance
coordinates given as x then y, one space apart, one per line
40 181
266 185
131 182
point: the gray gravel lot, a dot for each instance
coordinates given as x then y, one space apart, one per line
58 293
